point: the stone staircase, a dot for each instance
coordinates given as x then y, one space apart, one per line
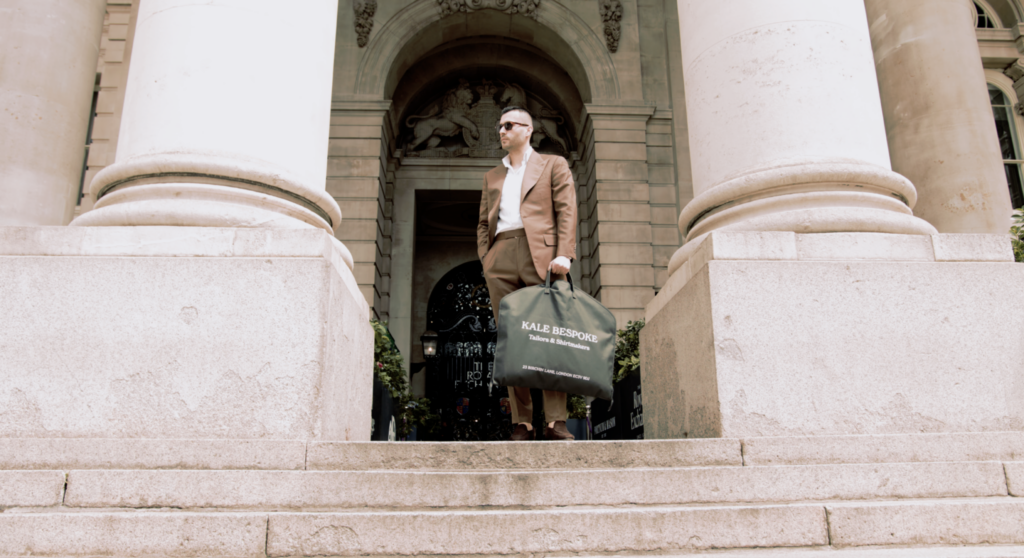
945 495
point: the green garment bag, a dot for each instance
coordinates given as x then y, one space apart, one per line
554 337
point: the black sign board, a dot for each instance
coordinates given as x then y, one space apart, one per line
623 419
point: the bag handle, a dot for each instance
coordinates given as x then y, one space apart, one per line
547 283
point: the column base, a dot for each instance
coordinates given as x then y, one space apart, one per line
182 332
770 334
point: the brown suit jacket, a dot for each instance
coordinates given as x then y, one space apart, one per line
547 206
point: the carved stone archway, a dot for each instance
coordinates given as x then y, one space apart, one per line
582 52
414 60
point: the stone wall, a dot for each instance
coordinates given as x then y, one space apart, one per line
357 178
615 205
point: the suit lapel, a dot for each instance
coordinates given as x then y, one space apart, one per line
499 184
533 170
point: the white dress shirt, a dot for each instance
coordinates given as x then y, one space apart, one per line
509 218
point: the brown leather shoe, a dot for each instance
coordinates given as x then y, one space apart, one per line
521 434
559 432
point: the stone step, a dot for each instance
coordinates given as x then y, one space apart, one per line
384 490
979 551
88 453
629 529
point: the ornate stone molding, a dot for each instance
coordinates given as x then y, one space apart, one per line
527 8
611 15
1015 71
365 9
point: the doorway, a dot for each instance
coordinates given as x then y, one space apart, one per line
460 378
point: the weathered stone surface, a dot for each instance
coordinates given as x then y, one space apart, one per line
781 348
980 521
133 534
507 532
272 490
986 551
865 246
972 248
127 453
164 241
476 455
182 346
978 446
728 245
30 488
1015 478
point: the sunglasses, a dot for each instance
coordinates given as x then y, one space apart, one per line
508 126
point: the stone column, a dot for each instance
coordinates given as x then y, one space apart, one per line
808 299
785 123
226 118
937 112
46 81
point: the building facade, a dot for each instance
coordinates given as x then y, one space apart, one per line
678 118
396 61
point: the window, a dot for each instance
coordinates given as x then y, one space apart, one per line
984 21
1003 111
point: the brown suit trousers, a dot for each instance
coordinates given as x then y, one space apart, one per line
509 266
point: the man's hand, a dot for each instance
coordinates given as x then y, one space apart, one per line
560 265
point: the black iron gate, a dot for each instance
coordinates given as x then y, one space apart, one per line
459 380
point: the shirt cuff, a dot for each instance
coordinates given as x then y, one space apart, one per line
562 260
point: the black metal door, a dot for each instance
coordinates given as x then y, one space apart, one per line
460 381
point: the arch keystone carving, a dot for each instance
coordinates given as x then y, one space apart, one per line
526 8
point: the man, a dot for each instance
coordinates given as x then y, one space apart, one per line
527 226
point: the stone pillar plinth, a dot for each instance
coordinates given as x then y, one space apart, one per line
226 118
784 334
937 112
47 77
786 128
200 332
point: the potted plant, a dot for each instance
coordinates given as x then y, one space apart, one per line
392 402
577 423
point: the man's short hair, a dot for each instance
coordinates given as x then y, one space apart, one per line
518 109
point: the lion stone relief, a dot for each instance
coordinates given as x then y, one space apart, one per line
462 122
448 120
